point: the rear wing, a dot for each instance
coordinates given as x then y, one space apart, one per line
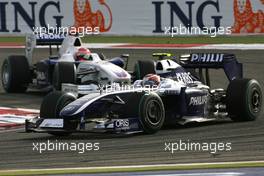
46 39
33 40
58 40
232 68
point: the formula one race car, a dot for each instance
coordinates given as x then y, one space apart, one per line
169 91
73 64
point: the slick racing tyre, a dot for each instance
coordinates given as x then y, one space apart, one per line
64 72
15 74
144 67
244 99
51 106
151 113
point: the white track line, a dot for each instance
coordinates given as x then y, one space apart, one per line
126 46
21 109
232 47
141 166
200 174
209 46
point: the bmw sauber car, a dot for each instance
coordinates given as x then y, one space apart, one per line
170 91
72 64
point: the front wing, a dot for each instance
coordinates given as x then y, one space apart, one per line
127 126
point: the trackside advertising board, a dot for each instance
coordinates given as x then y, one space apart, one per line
133 17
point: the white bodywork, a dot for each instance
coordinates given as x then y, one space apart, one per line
103 72
70 45
165 66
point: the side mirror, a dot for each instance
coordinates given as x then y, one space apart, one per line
102 56
125 56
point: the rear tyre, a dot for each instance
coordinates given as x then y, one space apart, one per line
244 99
64 72
144 67
15 74
151 113
51 106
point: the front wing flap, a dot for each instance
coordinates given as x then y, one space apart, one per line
129 125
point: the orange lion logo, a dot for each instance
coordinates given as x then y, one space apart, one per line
84 17
247 21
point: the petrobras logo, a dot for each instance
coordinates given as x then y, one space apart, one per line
184 77
121 123
207 58
198 100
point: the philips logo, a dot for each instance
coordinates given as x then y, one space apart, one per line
199 100
207 58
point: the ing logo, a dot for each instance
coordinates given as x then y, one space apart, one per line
246 20
85 17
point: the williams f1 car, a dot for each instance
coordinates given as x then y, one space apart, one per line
73 64
170 91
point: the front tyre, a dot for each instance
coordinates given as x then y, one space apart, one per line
244 99
51 106
151 113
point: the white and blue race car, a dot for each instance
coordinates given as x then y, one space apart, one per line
72 64
170 91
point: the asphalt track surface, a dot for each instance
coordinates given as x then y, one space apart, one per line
16 148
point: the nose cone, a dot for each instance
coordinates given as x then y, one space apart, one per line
68 110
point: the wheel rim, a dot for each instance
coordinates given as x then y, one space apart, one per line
154 115
5 74
255 101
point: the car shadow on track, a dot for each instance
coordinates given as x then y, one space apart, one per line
103 136
79 136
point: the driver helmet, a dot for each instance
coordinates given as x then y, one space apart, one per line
83 54
151 80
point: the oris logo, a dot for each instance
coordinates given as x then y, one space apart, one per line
122 123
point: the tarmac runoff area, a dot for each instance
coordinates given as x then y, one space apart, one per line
16 149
